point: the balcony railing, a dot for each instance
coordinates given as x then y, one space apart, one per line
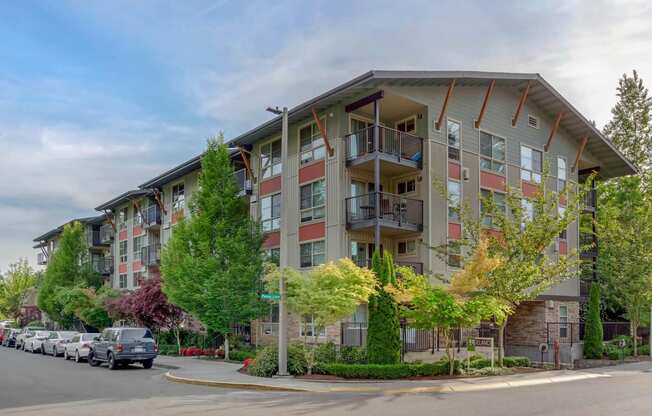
590 201
152 216
41 259
244 182
106 234
394 211
93 237
414 265
392 143
588 245
151 255
107 266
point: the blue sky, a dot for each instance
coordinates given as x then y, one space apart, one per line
96 97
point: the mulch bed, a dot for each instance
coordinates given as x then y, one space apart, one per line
325 377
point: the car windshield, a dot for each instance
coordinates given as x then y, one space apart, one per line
89 337
135 333
67 334
42 334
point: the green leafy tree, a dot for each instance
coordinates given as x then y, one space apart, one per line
383 330
326 294
624 228
14 287
88 305
593 347
212 265
68 267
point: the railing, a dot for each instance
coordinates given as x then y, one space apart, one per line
353 334
244 183
106 233
395 208
563 332
107 265
416 266
590 200
41 259
419 340
150 255
152 216
612 330
93 237
404 146
588 245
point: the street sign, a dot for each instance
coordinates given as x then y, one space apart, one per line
271 296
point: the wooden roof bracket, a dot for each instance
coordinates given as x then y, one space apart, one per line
157 196
442 114
245 160
322 130
484 103
521 102
555 127
110 219
137 206
580 150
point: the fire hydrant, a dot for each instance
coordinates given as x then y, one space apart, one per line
557 352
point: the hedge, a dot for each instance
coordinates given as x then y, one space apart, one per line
384 371
266 362
241 355
507 362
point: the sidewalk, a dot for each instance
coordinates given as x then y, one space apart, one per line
221 374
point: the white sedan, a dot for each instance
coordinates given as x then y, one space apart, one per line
79 346
56 341
35 343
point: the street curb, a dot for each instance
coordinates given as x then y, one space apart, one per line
166 366
442 389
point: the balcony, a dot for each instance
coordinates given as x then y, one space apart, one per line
414 265
590 201
93 238
152 216
396 213
41 259
398 151
151 255
107 266
106 234
244 182
588 246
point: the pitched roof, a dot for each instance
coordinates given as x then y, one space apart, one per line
97 219
125 197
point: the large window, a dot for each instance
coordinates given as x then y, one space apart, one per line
312 204
137 279
138 245
123 251
313 254
492 153
563 321
273 255
123 214
499 202
528 210
406 248
270 213
531 164
311 143
361 253
138 217
122 281
178 197
454 199
406 186
270 159
309 328
453 130
561 173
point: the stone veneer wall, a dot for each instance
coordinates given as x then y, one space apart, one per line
529 325
294 334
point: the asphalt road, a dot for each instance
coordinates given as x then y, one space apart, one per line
36 385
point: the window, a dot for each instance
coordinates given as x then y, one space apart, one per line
454 198
407 186
453 129
312 254
123 251
563 321
499 201
492 153
311 143
270 213
561 209
123 214
409 125
273 255
137 279
270 159
561 173
531 164
308 328
361 253
138 217
178 197
454 251
407 248
528 210
139 243
122 283
312 201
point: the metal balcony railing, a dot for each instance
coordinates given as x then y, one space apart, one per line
414 265
152 216
41 259
107 266
590 201
151 255
244 182
398 144
394 210
106 234
588 245
93 237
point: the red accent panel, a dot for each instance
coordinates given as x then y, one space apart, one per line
492 181
454 170
563 247
136 265
562 200
529 190
454 231
312 231
270 186
272 240
492 232
122 268
122 235
138 230
312 172
176 216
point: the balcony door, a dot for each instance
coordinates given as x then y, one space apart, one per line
363 136
361 253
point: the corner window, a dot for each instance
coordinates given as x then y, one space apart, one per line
137 279
270 213
407 248
454 199
123 214
531 164
122 282
561 173
407 186
123 251
313 254
311 143
178 197
409 125
312 204
498 200
138 245
270 159
492 153
454 251
453 130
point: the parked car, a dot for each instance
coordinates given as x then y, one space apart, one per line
122 346
56 342
4 325
26 332
34 343
79 346
9 336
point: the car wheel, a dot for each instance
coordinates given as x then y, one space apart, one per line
43 350
147 364
91 359
77 357
65 355
113 364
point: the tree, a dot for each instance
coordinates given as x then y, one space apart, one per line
593 336
213 263
383 329
14 287
149 307
624 231
630 128
68 267
522 233
88 305
325 295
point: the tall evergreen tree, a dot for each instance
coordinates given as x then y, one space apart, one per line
213 264
593 333
383 333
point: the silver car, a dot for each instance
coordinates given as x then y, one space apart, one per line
25 333
56 342
79 346
34 344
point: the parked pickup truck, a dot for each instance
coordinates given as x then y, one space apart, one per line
121 346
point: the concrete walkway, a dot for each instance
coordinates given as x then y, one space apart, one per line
226 375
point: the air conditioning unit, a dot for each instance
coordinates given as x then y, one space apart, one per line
466 174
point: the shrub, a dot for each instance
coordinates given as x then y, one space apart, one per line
266 362
164 349
481 362
241 355
326 353
383 330
352 355
385 371
644 349
593 347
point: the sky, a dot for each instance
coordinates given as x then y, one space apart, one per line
97 97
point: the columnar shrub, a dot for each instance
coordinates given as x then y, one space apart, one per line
593 347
